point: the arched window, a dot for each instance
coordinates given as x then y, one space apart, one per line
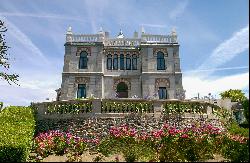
121 62
109 62
160 61
134 62
115 62
83 61
128 62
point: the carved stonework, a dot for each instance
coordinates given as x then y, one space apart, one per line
117 81
118 52
163 50
81 49
162 82
81 80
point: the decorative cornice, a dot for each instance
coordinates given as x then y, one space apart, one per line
163 50
117 81
162 80
82 80
81 49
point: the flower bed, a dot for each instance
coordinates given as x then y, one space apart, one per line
193 142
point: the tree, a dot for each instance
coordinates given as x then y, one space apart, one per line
4 58
235 95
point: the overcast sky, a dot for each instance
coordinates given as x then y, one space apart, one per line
213 37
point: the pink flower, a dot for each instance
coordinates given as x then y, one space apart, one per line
184 136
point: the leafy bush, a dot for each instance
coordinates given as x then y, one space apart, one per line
235 129
17 130
235 150
1 105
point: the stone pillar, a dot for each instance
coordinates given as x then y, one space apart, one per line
157 108
97 105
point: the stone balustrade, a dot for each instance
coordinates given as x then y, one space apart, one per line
148 38
122 42
112 108
84 38
159 38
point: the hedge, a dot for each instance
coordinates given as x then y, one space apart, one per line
17 130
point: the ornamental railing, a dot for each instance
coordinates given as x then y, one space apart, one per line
84 38
120 107
127 106
122 42
159 38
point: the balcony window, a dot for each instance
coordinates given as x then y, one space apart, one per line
128 62
81 92
83 61
162 93
109 62
134 62
160 61
121 62
115 62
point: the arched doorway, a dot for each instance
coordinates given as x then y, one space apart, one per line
122 90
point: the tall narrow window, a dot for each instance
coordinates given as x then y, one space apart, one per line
134 62
109 62
115 62
162 93
128 62
83 60
81 92
160 61
121 62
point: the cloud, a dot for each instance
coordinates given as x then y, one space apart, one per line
195 84
180 8
51 16
36 89
218 69
154 25
26 42
227 50
24 96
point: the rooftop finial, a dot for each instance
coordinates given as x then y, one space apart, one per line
173 32
101 30
69 31
142 29
120 35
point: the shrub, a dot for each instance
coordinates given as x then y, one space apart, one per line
235 150
17 130
235 129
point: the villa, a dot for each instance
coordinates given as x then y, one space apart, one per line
145 65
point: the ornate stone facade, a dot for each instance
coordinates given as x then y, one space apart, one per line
146 66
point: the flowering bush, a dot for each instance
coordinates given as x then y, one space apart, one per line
60 143
190 143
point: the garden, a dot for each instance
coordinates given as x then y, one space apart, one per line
133 138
